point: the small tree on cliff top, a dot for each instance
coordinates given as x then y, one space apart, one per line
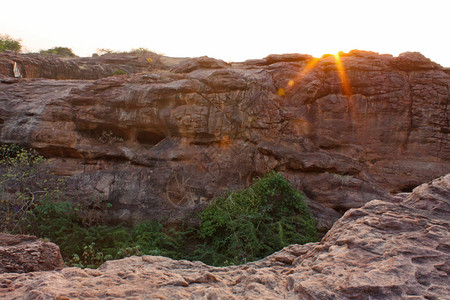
9 43
62 51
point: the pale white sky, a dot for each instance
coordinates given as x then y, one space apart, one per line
233 30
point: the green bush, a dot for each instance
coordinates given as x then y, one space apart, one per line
24 184
119 72
9 43
140 50
250 224
62 51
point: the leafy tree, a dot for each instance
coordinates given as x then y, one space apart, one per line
250 224
24 182
62 51
9 43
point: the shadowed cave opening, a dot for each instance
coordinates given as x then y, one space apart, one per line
340 209
149 137
409 188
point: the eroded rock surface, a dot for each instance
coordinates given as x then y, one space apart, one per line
383 250
345 130
22 254
56 67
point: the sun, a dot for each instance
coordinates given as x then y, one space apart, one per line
313 63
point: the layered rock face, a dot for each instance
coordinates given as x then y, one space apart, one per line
384 250
22 254
55 67
344 129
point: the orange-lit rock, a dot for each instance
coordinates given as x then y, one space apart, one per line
163 143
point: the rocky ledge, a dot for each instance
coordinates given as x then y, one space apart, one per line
383 250
22 253
167 138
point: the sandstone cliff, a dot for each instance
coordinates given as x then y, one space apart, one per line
163 140
383 250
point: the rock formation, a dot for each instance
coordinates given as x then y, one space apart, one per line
89 68
22 254
383 250
162 141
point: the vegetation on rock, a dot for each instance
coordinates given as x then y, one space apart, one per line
25 184
250 224
61 51
119 72
241 226
9 43
141 50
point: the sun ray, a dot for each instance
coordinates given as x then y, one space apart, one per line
309 66
342 74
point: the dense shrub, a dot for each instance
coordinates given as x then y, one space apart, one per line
61 51
250 224
9 43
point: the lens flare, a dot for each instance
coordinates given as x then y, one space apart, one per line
345 83
309 66
344 80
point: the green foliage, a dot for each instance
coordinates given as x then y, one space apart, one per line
9 43
141 50
24 184
91 258
62 51
119 72
250 224
241 226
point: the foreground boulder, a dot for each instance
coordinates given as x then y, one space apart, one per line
383 250
23 253
164 142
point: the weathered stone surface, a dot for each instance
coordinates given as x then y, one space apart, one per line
385 250
164 143
23 253
382 250
55 67
192 64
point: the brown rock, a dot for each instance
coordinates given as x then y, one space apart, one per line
23 253
163 144
379 251
205 62
410 61
385 250
62 68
